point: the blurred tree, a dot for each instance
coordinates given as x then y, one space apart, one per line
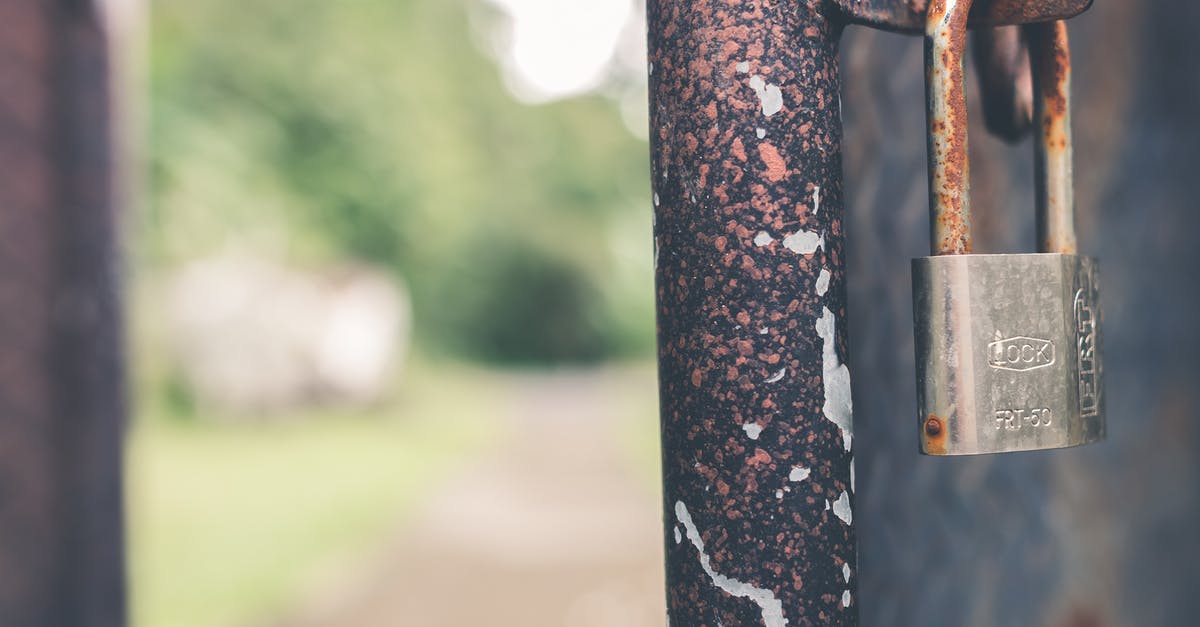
377 131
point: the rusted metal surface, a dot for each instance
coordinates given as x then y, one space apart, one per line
1005 81
909 15
755 391
946 104
1101 535
1053 157
61 372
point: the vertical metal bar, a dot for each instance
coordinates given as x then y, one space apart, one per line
755 392
946 107
61 373
1050 60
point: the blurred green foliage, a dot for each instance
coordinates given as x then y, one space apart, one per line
381 132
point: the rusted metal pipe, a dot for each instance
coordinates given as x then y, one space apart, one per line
1050 60
946 104
758 486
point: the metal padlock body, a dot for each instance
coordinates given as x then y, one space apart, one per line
1008 352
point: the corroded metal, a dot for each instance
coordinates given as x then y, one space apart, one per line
946 111
1053 157
1007 346
61 367
755 391
909 15
1093 536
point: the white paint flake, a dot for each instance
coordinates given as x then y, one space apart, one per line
823 281
816 199
779 494
845 598
841 508
845 565
763 239
799 473
760 132
743 67
678 536
655 199
826 504
752 429
772 608
804 242
769 95
777 376
838 407
764 331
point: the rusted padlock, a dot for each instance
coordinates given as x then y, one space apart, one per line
1008 346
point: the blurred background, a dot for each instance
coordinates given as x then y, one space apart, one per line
392 314
388 281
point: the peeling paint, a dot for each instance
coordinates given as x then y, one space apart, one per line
846 598
777 376
841 508
760 132
838 407
743 67
769 96
823 281
804 242
752 429
816 199
799 473
678 536
845 567
772 608
763 239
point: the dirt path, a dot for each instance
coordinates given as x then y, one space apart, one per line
555 527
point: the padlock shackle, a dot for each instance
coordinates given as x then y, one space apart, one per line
946 116
1050 61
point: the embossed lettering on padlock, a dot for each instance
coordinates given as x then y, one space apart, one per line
1006 352
1008 346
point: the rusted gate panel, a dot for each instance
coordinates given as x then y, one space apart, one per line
61 372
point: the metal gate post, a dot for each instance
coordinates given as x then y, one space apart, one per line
61 367
758 482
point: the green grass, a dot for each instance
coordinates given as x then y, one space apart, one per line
229 522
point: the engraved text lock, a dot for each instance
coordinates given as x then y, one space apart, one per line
1007 346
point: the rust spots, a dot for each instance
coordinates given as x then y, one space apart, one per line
1048 47
909 15
1051 62
949 169
933 435
738 149
776 169
736 318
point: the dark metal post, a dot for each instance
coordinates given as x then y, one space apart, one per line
756 414
61 372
